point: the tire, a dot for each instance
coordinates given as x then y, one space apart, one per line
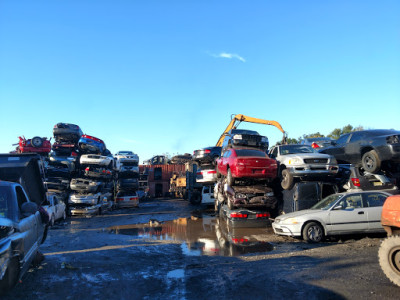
287 179
195 199
229 178
371 162
313 232
10 277
37 142
389 258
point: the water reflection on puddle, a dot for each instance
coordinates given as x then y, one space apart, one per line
203 236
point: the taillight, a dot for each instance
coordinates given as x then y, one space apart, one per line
87 169
73 153
207 151
119 199
263 215
104 171
198 173
356 181
314 145
238 215
133 198
237 240
212 172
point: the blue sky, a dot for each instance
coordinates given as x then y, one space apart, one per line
165 76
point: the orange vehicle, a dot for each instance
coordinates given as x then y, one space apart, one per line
389 251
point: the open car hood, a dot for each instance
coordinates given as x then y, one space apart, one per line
24 169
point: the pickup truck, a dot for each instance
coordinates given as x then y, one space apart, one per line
23 222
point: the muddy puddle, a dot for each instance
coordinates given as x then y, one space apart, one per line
206 235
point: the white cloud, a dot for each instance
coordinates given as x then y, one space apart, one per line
229 55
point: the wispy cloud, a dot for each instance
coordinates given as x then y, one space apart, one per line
228 55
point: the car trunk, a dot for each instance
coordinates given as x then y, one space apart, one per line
256 166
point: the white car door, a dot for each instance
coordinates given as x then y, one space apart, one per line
352 217
374 201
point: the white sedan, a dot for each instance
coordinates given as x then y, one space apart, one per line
343 213
55 208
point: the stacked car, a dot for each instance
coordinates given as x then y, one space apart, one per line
93 186
126 179
63 161
245 172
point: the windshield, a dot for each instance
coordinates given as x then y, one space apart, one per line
250 152
292 149
327 202
125 153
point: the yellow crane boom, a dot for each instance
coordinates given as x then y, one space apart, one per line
237 119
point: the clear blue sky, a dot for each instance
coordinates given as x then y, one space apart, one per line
165 76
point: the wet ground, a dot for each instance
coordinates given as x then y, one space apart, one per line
167 249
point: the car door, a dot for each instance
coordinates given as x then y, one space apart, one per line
353 147
348 216
339 149
373 203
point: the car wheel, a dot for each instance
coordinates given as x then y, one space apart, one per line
230 180
37 142
287 179
389 258
313 232
195 199
52 220
10 277
371 162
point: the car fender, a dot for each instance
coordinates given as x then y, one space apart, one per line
317 220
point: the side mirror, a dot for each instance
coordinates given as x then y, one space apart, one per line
28 209
338 207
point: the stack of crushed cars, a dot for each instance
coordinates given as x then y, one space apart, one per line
93 185
127 179
63 160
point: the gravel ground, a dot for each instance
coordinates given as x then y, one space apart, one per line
186 254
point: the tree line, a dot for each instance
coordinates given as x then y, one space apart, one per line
335 134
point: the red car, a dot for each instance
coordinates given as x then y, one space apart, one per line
246 164
35 145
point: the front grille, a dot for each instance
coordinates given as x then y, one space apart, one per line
315 160
251 137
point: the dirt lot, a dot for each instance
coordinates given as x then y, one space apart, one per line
169 249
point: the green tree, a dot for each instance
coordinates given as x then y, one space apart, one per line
337 132
313 135
292 141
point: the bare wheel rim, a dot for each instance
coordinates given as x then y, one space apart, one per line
394 259
369 161
314 233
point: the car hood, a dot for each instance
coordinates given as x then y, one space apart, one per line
298 214
305 155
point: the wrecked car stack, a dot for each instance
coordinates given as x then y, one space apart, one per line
126 179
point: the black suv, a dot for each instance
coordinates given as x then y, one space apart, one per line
246 138
368 148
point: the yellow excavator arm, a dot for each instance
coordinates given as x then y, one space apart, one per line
237 119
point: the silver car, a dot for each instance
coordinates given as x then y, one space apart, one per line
343 213
302 161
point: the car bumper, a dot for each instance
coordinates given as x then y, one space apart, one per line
90 210
285 229
313 170
127 203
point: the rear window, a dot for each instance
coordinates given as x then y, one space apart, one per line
250 152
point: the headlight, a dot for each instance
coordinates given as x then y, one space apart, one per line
291 221
93 183
237 137
294 161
